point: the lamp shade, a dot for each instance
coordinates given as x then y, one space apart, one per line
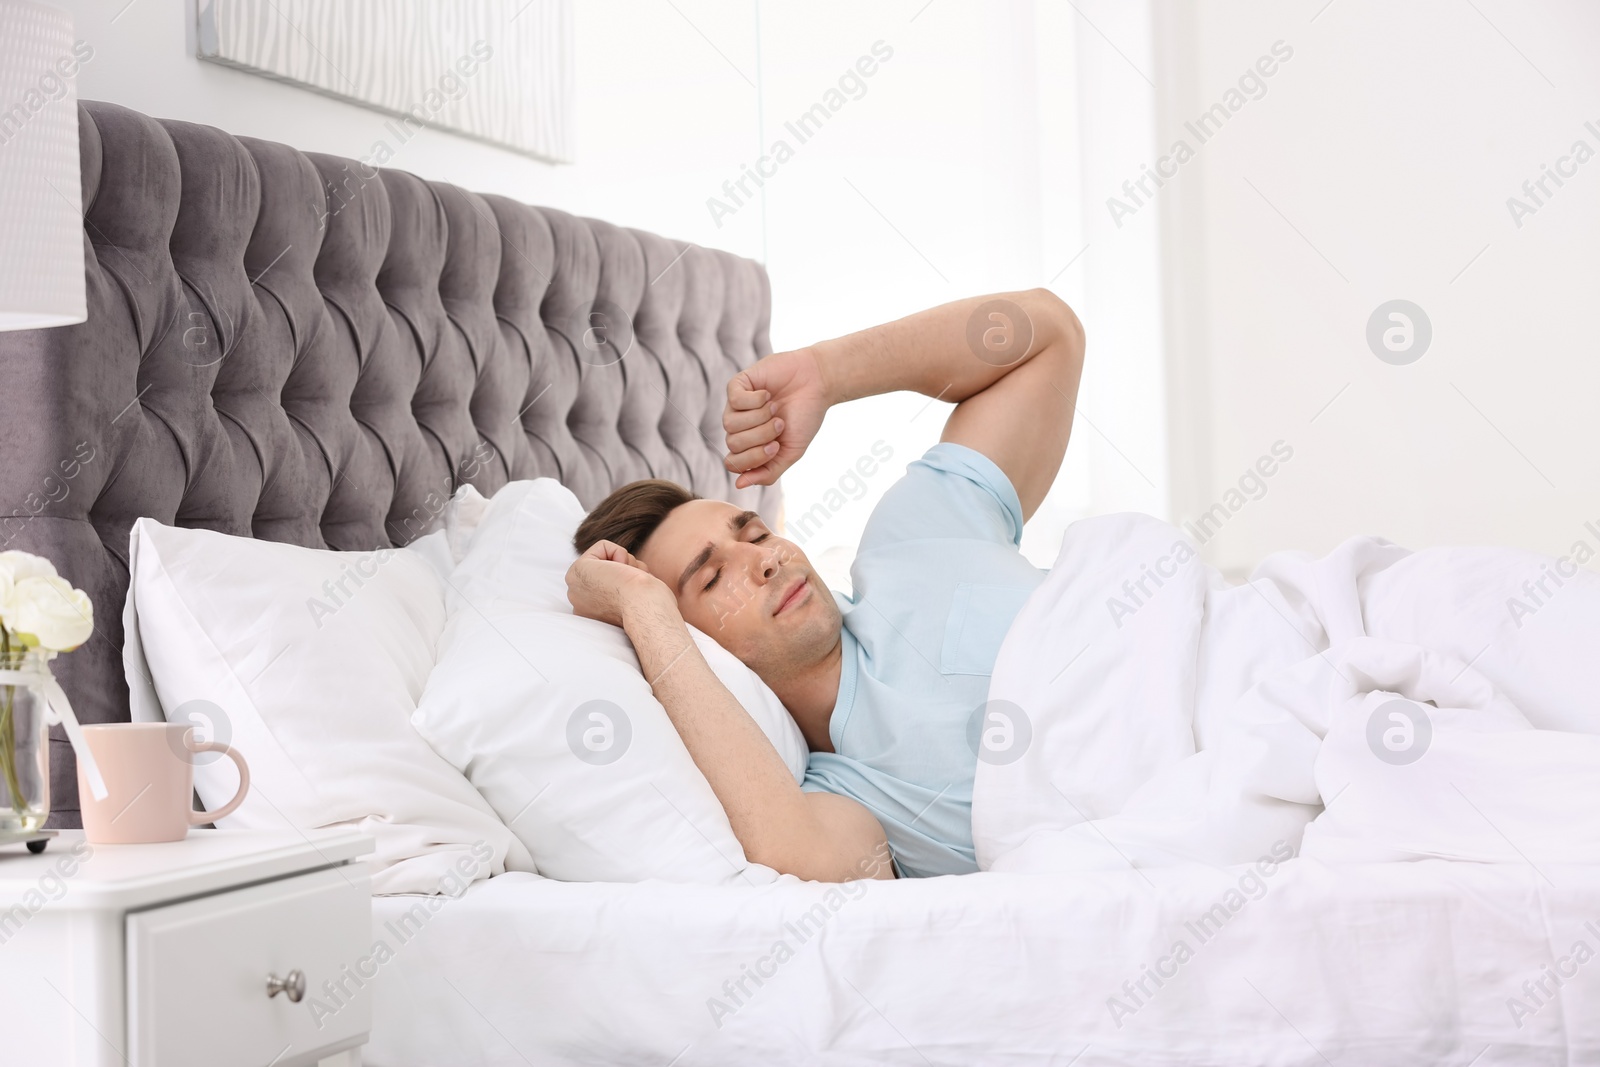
41 203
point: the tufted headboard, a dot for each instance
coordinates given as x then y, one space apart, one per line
302 348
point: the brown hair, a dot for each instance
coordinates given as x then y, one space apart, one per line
630 514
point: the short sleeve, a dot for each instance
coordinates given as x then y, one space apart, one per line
952 491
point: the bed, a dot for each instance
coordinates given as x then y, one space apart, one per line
242 372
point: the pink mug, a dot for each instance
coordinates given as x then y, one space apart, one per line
148 769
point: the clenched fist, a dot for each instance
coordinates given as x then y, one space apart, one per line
775 407
607 582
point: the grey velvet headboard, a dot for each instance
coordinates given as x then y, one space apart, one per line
301 348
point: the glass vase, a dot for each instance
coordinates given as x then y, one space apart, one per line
24 742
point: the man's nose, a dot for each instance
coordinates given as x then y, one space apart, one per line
768 565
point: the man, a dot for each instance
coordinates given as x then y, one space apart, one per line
885 685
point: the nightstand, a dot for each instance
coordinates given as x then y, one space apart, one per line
229 947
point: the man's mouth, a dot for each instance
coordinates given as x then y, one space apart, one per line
792 597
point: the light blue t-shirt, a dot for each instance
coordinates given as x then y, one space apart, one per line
938 579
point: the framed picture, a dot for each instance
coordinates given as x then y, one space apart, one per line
499 71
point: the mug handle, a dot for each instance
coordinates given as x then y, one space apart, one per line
200 818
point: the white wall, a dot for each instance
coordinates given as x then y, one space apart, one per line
1122 411
957 171
660 118
1377 166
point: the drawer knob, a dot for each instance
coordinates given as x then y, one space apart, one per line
291 985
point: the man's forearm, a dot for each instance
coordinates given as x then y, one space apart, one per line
952 352
767 810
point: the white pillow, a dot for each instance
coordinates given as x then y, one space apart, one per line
310 663
513 700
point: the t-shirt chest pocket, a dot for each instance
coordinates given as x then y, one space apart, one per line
980 615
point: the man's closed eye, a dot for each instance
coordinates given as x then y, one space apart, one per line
718 574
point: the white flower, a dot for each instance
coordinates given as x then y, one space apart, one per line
19 565
40 607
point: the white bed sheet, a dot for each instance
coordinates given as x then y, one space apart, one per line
1366 964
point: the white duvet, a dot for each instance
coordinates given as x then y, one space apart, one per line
1376 704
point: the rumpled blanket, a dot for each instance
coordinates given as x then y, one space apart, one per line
1376 704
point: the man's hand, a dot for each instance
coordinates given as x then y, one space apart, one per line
775 407
606 582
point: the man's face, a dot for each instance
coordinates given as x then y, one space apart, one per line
755 593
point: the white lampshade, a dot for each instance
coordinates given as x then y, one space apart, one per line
41 212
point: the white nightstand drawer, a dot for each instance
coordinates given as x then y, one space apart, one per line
197 974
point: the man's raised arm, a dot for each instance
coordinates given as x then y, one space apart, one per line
1010 362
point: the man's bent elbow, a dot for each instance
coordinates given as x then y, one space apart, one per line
1054 321
875 863
830 861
